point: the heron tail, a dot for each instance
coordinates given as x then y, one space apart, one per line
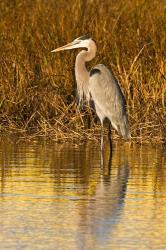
124 128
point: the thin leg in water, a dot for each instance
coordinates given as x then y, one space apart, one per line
102 139
110 137
102 146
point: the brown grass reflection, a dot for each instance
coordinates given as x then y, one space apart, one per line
61 165
60 195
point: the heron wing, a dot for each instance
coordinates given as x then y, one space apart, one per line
108 98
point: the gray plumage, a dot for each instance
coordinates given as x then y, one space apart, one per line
109 100
99 84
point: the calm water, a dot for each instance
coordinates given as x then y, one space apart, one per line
56 196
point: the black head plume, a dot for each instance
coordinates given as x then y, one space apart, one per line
85 37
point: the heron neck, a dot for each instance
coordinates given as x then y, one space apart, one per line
80 66
82 76
81 72
83 57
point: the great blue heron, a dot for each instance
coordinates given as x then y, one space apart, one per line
100 85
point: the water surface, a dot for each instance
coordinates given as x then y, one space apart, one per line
56 196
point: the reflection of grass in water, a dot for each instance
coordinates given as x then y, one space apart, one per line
38 89
64 165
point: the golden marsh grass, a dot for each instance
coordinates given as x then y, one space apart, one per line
37 88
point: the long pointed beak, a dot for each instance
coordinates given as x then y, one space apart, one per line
71 45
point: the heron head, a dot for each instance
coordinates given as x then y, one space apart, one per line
80 42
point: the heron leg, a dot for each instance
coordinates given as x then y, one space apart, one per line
110 137
102 140
102 146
